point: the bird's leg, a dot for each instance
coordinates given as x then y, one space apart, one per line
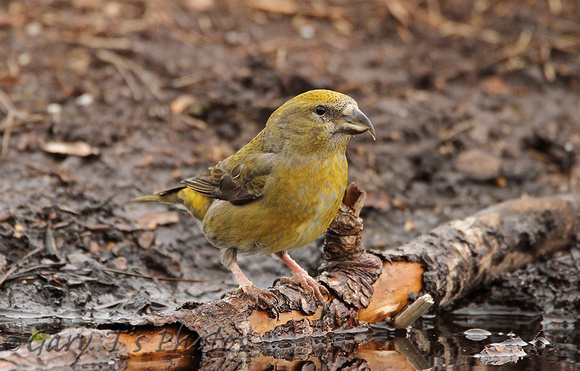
301 277
240 277
247 287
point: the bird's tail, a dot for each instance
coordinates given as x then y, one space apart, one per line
169 196
196 203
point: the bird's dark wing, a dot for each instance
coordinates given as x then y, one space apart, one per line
238 181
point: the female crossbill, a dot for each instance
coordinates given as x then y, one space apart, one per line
280 191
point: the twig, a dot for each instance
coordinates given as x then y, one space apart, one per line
293 8
50 242
119 43
575 188
29 118
447 134
521 45
147 79
121 66
14 117
447 27
414 311
9 122
12 114
186 80
29 271
125 65
17 265
7 104
112 270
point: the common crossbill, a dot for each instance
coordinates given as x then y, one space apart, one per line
280 191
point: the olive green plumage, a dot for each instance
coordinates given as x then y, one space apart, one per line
281 190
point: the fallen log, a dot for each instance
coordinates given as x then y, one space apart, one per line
365 287
466 254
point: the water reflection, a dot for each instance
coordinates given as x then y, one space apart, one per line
433 343
450 340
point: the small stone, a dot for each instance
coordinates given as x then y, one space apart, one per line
85 100
54 109
478 164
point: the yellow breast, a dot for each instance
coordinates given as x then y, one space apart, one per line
300 200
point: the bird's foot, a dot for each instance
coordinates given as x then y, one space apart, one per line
307 283
263 298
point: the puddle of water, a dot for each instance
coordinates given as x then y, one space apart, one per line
468 339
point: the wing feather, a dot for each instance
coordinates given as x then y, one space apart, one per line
238 181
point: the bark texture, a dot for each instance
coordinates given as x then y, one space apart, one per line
462 255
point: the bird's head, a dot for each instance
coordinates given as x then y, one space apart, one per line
318 119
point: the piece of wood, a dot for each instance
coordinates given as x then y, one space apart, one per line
391 290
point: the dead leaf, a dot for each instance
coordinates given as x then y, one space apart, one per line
79 148
200 5
146 160
95 248
176 174
64 176
378 200
126 227
120 263
146 239
181 103
153 220
495 85
510 350
478 164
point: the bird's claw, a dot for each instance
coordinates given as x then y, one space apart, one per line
307 283
263 298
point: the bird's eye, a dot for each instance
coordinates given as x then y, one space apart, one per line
320 110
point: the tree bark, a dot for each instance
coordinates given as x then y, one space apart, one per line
466 254
365 287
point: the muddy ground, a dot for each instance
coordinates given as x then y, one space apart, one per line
100 102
